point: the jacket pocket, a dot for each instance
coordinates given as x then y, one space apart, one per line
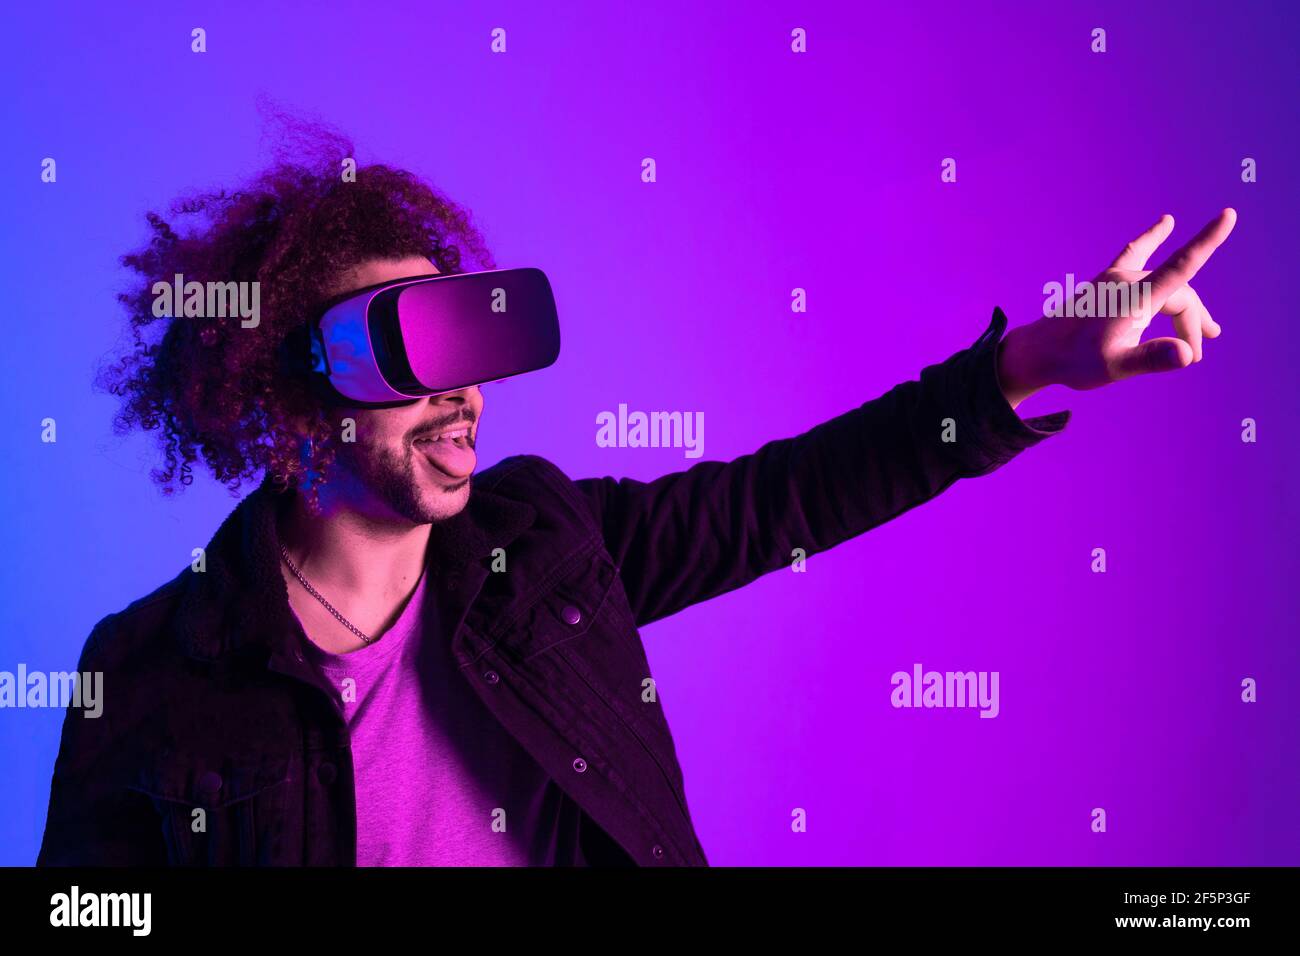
224 811
567 610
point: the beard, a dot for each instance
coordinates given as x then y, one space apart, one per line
392 477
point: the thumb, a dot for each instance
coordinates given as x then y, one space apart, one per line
1156 355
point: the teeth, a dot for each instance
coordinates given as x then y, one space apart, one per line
458 435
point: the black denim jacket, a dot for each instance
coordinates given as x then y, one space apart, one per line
208 704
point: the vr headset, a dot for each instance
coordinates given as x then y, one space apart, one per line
397 342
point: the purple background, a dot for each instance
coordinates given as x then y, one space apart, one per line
775 170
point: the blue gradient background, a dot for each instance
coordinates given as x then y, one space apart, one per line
775 170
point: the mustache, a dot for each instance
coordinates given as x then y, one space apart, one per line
436 425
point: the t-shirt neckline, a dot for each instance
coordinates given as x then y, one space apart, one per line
387 643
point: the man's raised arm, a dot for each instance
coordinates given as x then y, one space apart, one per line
692 535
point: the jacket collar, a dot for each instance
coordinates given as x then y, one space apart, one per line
240 598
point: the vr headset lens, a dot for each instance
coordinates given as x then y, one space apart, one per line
404 340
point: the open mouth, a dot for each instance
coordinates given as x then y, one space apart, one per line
450 452
456 436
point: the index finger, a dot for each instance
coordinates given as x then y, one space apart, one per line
1178 270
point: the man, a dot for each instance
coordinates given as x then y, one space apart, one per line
383 658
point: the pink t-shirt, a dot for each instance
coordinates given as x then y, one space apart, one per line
439 782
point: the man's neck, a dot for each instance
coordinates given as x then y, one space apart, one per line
358 557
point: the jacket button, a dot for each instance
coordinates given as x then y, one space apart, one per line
326 773
580 765
571 614
657 852
210 782
491 677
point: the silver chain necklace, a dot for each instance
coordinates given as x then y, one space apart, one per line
284 553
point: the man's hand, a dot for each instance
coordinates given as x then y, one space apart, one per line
1088 352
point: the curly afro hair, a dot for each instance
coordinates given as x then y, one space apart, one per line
218 391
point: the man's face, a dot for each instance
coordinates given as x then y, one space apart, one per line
413 461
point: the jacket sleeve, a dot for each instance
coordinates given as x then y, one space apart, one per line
93 818
692 535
